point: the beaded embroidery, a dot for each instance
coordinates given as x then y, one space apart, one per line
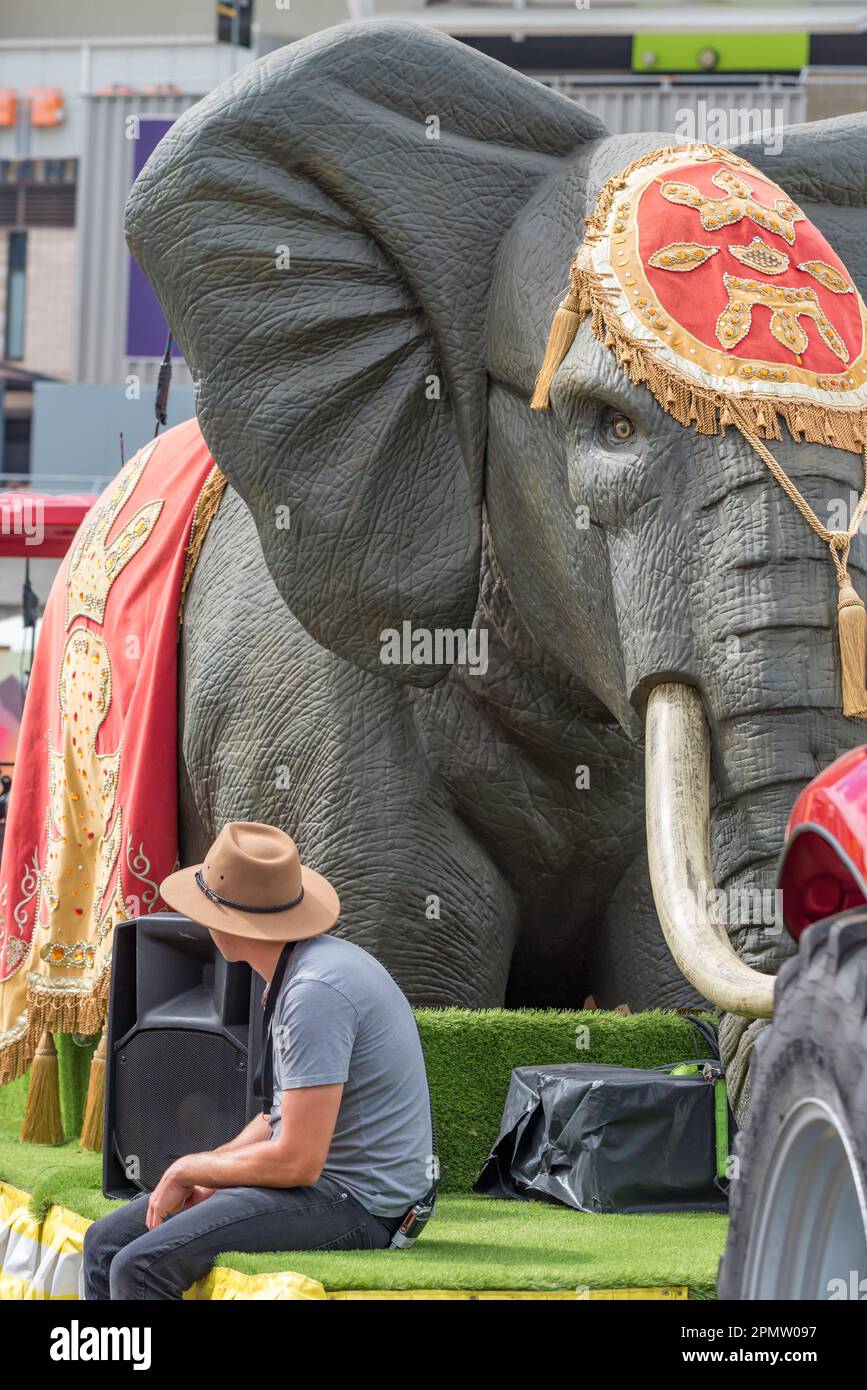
81 785
707 335
762 257
98 682
95 562
786 306
827 276
682 255
79 955
738 202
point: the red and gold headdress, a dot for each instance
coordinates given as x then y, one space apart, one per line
715 291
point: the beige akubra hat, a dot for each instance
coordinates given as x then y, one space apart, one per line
253 884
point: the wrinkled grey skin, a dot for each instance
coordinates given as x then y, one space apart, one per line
413 258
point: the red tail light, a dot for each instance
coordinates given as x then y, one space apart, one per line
823 869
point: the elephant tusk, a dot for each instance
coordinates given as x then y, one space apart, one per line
677 779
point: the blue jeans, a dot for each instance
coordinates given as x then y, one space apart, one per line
124 1260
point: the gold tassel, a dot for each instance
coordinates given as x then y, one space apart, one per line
42 1120
560 339
94 1108
852 632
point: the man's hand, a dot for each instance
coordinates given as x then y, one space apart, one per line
170 1194
295 1158
177 1190
198 1194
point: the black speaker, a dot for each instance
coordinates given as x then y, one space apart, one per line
184 1038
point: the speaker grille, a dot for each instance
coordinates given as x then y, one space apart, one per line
164 1110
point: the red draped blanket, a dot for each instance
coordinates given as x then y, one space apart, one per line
92 827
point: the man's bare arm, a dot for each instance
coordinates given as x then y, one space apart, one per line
254 1133
294 1159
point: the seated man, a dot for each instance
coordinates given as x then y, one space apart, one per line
343 1147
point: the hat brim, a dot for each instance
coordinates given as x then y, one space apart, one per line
318 910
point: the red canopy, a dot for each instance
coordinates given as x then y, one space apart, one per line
40 524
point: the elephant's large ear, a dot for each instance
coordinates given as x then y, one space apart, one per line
322 232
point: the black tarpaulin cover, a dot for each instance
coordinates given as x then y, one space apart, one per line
606 1139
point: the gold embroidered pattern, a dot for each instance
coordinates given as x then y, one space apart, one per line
621 218
786 306
81 853
207 506
738 202
17 948
29 887
827 276
17 951
747 373
682 255
80 955
696 382
762 257
95 563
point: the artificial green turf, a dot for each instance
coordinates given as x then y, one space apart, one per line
476 1243
470 1054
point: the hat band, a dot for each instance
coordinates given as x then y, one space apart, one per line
243 907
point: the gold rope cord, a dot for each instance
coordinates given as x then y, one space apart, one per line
851 615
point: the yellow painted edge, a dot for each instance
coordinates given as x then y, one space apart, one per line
59 1230
63 1229
14 1194
283 1286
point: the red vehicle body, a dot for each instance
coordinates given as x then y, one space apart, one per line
823 869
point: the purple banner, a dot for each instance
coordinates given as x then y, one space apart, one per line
146 327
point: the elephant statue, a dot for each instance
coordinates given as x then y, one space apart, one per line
429 625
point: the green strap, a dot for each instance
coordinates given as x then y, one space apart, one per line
720 1115
721 1127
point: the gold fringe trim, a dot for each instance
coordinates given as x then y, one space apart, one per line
55 1011
207 506
689 402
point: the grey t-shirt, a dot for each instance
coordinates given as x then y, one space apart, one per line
341 1017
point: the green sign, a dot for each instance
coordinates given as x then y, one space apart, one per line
720 52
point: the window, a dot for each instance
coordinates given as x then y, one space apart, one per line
37 205
16 280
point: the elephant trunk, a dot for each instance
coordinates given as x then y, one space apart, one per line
677 741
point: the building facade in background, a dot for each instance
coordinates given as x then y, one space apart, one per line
87 89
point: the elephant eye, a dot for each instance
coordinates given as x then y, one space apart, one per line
619 429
